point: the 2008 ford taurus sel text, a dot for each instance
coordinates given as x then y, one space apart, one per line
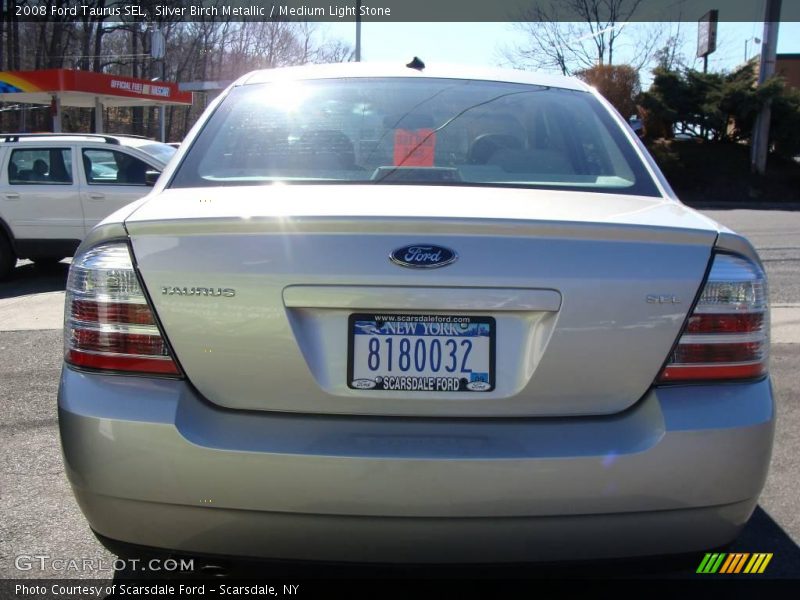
376 313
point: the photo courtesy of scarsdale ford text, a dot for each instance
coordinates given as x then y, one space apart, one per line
136 590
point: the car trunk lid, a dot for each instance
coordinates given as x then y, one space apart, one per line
255 288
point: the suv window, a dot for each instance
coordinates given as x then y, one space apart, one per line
110 167
40 166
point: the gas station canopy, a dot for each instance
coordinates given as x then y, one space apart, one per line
64 87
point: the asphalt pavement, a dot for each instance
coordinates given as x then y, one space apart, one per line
40 516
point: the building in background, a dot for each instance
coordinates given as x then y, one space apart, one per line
788 67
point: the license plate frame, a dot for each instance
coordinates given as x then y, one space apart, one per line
477 328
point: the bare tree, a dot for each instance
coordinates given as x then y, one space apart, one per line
670 55
200 50
10 60
318 49
589 38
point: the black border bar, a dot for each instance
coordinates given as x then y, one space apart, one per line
376 11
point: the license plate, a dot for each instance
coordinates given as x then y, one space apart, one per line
421 353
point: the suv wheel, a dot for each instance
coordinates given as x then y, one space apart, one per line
7 257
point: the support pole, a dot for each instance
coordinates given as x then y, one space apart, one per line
98 115
769 48
358 30
162 110
56 108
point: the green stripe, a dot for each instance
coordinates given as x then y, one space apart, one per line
717 564
711 563
701 568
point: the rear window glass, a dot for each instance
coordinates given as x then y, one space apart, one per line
418 131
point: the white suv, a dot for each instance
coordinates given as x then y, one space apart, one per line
55 187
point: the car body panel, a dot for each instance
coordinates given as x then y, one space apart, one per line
204 466
247 203
233 348
226 533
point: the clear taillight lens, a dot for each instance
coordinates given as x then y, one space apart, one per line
108 324
727 334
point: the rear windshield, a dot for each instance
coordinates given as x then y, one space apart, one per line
415 131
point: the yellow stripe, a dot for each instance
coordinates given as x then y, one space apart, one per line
728 561
741 562
759 559
765 563
749 567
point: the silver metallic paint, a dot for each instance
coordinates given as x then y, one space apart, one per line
596 355
687 462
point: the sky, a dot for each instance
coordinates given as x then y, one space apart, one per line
482 43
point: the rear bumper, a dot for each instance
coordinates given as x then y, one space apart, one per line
153 464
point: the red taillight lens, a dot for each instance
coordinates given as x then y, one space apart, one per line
108 323
727 334
721 323
704 353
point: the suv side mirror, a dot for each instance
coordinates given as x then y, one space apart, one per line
150 178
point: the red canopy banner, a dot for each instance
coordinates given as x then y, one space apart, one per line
99 84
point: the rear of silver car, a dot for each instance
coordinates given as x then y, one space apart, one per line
252 371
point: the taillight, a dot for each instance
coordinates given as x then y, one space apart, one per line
108 324
727 334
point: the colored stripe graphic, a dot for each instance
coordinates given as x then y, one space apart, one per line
740 562
758 563
732 558
711 563
734 563
6 88
723 563
15 83
703 563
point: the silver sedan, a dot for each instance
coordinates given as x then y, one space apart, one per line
376 313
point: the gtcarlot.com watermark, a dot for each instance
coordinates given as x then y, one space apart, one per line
47 563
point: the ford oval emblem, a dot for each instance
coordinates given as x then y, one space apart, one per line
423 256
